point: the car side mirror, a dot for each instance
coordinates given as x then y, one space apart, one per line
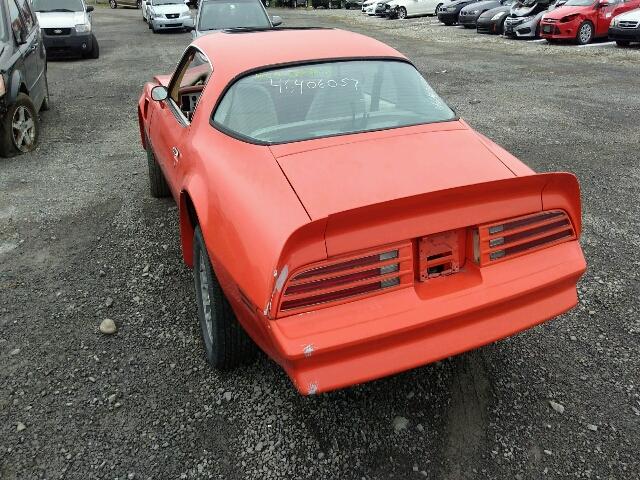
89 8
159 93
276 20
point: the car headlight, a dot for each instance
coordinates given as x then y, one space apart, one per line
569 18
498 16
83 27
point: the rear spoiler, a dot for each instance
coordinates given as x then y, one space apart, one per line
458 207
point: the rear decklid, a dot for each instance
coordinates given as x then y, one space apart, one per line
353 173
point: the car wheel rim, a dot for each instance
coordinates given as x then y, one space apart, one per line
585 33
206 299
402 14
24 129
112 3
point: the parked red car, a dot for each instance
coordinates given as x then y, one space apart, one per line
583 20
335 209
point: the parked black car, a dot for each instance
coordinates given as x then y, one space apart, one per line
468 16
492 21
23 78
353 4
449 14
325 3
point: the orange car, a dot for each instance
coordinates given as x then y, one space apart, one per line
337 211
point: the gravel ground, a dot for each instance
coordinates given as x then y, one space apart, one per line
81 240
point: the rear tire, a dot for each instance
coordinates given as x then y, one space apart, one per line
113 4
20 127
226 344
437 9
448 23
158 186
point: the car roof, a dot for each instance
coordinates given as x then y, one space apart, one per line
236 51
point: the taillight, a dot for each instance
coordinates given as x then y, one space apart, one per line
344 279
517 236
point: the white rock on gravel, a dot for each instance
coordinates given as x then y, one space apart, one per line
20 427
13 352
108 302
227 396
400 423
593 428
108 326
558 407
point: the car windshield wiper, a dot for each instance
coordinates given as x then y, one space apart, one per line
59 10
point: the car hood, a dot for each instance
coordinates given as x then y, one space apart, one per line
481 5
558 13
490 13
387 166
171 8
459 3
633 15
60 19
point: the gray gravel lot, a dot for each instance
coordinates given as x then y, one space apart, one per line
81 240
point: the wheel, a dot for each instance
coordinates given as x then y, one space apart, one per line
46 103
402 13
95 48
113 4
468 26
226 344
585 33
622 43
437 9
448 23
20 127
157 184
139 4
267 3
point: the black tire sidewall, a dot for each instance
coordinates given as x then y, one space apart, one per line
402 13
210 343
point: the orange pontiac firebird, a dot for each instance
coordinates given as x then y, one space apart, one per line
338 214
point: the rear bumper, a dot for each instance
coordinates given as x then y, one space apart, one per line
77 43
625 34
382 335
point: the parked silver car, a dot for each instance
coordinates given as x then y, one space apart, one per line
167 15
220 14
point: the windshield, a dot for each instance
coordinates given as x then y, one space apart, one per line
166 2
216 15
57 5
579 3
312 101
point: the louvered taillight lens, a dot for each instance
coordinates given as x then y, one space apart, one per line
341 280
517 236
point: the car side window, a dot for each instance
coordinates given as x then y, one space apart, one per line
27 14
16 21
189 81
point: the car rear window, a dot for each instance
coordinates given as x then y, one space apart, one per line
325 99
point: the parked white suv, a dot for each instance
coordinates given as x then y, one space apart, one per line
167 15
625 28
66 27
412 8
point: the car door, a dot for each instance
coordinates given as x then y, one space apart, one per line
604 15
34 54
169 127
